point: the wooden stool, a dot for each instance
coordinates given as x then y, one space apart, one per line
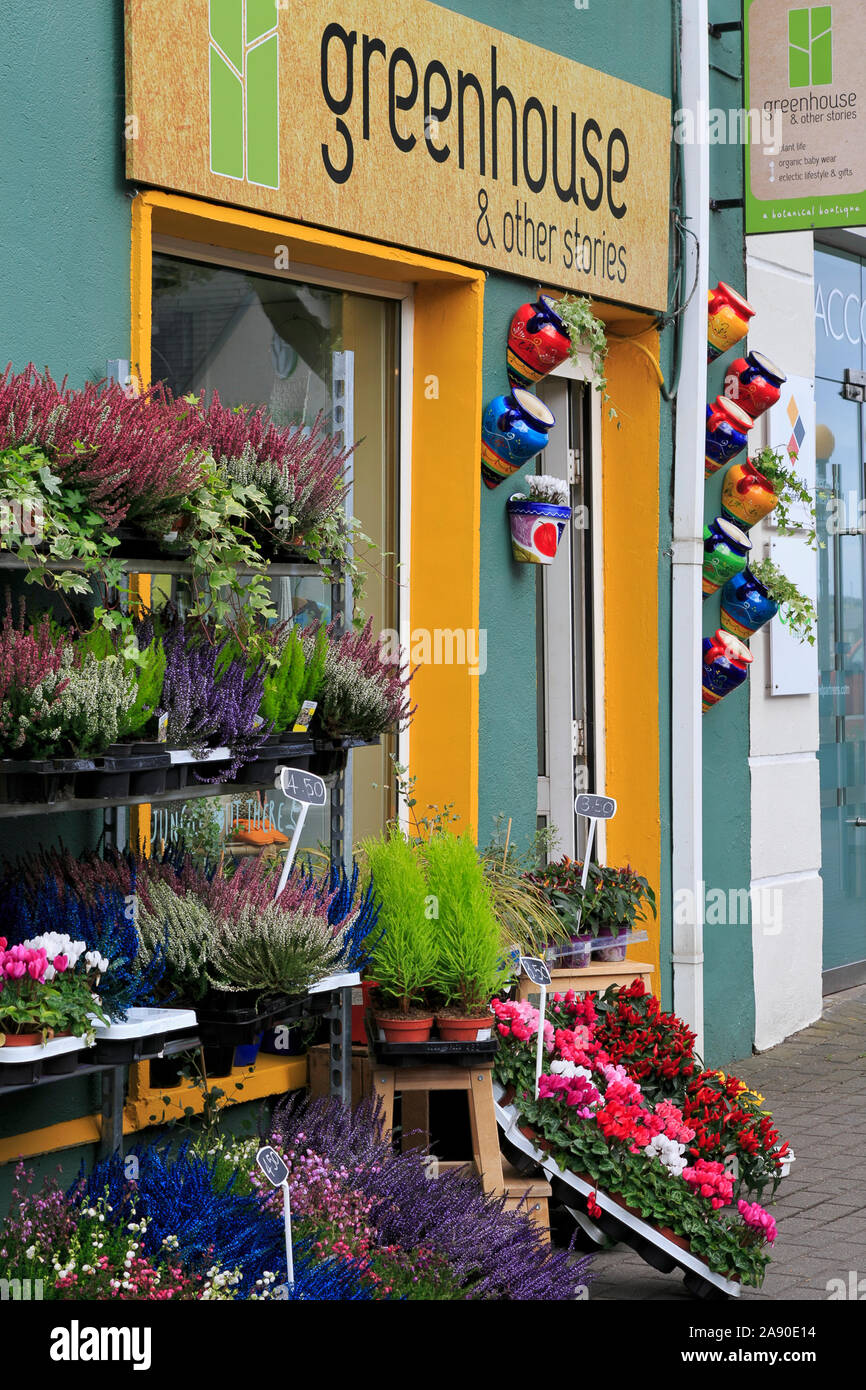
415 1084
536 1192
596 976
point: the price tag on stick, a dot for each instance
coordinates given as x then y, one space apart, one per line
309 790
277 1174
595 808
539 973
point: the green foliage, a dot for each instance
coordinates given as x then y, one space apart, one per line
45 523
585 328
150 675
220 548
273 950
790 489
404 955
796 610
200 828
613 900
470 965
296 678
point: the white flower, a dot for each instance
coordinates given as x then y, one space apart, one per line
668 1152
30 1251
570 1069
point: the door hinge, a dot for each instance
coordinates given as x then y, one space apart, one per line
573 466
578 739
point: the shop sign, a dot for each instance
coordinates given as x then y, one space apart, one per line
806 65
409 124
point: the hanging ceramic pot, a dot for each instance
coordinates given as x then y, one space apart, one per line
536 529
727 430
726 552
514 428
724 666
747 495
538 341
754 382
746 605
728 315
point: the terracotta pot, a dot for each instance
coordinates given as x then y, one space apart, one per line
22 1039
463 1029
747 495
405 1030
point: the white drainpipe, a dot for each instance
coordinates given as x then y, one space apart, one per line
686 621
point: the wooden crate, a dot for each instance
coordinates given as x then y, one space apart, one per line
535 1190
362 1082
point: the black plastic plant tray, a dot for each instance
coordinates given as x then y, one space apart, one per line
122 1052
457 1054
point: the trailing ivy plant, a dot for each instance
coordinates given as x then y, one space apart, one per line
586 329
790 490
796 610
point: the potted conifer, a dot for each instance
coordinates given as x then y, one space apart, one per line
470 964
403 957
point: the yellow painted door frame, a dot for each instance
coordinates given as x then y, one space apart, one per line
445 518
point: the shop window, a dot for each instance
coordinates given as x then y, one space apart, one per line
304 351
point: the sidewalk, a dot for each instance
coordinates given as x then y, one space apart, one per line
815 1086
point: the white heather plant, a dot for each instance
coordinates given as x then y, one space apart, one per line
545 488
97 694
355 703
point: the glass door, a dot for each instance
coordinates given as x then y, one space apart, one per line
563 626
841 509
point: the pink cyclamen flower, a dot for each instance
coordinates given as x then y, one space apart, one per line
60 963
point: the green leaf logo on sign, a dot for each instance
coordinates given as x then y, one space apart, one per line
810 52
244 91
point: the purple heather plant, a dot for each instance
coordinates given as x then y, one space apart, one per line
493 1254
211 698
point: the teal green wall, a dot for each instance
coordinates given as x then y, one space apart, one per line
64 288
729 1003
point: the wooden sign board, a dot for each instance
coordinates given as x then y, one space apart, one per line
409 124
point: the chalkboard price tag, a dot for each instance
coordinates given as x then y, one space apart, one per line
536 969
598 807
272 1165
303 786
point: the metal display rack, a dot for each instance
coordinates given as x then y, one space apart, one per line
339 1014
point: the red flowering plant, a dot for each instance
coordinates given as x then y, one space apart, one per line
729 1124
656 1048
611 1109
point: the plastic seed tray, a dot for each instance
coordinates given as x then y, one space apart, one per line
615 1221
23 1066
142 1035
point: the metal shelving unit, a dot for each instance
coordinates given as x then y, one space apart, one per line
340 1014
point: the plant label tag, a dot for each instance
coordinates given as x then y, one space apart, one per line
536 969
305 714
596 807
272 1165
162 729
305 787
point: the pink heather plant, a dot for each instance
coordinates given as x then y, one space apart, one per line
298 468
135 457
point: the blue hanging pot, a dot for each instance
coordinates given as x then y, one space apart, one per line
746 605
514 428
